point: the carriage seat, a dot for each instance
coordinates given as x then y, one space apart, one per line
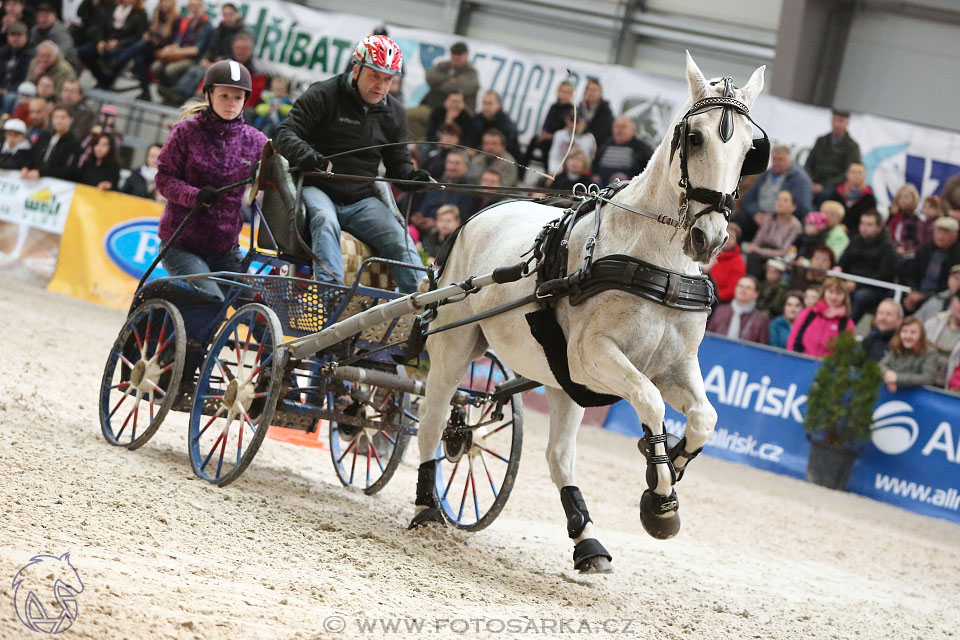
287 220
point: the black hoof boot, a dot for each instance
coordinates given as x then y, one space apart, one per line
659 514
589 556
427 516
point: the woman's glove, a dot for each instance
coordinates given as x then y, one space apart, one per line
207 196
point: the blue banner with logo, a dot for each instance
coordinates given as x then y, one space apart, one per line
760 394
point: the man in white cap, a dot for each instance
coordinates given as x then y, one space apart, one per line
931 268
15 153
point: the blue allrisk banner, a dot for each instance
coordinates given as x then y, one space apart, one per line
760 394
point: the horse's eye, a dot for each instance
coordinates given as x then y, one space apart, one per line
695 139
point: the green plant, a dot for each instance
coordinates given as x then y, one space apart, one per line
843 393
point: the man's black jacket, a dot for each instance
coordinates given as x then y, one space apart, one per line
330 117
62 161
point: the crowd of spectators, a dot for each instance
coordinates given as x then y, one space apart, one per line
779 279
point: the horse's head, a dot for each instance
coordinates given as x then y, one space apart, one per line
712 148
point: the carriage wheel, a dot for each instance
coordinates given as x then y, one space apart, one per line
479 452
142 377
237 391
365 456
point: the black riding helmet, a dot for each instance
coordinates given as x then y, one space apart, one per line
227 73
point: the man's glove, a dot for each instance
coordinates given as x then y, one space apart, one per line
314 161
419 175
207 196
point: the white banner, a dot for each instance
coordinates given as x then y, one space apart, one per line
39 204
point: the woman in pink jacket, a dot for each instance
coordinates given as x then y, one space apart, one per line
816 326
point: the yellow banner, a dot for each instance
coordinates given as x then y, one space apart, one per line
107 235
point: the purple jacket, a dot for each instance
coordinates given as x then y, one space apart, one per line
199 152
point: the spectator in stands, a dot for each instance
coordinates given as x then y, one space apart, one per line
539 147
494 142
243 53
576 169
489 178
49 28
492 116
15 153
15 57
47 89
811 296
773 287
434 157
837 238
953 365
17 11
759 200
943 331
220 48
728 267
71 95
211 150
106 123
871 254
49 61
160 32
448 219
885 324
814 234
941 300
142 182
931 211
816 326
442 78
452 111
190 42
101 169
455 172
855 195
910 362
830 157
574 128
26 92
113 46
623 156
740 319
906 227
775 236
812 272
39 119
94 18
56 152
781 325
928 274
596 112
274 106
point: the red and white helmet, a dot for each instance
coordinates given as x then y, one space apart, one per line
380 53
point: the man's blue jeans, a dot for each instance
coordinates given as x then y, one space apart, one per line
371 222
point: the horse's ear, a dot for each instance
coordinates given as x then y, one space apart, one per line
698 84
753 87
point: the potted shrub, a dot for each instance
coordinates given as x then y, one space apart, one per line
840 411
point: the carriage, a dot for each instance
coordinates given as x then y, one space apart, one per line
237 367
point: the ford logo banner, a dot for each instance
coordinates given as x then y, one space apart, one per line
133 245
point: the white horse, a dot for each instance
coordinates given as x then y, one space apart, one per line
618 343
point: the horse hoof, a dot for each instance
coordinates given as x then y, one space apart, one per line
589 556
427 516
659 514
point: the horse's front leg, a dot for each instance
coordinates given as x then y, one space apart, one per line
589 556
683 390
607 369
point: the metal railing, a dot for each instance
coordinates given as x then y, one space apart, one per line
897 289
142 123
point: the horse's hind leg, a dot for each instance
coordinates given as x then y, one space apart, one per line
450 353
589 556
609 370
